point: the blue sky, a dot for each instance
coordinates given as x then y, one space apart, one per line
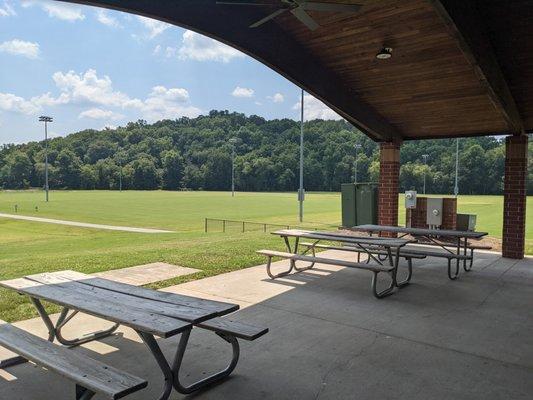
91 68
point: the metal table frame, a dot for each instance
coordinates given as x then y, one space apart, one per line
171 371
461 241
317 237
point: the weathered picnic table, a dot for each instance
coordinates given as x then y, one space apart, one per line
150 313
459 243
390 246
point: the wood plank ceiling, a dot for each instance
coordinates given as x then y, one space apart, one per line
432 87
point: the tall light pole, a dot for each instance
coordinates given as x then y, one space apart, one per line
425 157
357 147
456 187
46 120
301 189
233 141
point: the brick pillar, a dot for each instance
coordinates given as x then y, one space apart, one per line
389 184
514 196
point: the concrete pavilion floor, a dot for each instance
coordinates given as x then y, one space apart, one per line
331 339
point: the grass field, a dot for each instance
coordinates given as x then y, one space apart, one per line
31 247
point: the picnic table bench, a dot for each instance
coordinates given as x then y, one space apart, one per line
150 313
90 376
458 241
390 246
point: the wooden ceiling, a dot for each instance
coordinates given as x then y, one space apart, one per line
458 68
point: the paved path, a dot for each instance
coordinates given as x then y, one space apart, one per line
84 224
147 273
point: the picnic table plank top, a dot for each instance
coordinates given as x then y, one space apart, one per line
340 237
152 323
158 313
219 307
185 313
419 231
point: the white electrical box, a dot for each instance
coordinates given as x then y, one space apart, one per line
434 211
410 199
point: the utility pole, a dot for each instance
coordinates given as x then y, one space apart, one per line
46 120
456 188
233 141
357 147
425 157
301 189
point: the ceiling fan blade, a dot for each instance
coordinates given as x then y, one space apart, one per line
304 18
244 3
331 7
268 18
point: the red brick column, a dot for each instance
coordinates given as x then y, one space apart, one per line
389 184
514 197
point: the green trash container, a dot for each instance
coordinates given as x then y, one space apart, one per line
359 204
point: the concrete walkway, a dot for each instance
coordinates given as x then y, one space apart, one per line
331 339
83 224
147 273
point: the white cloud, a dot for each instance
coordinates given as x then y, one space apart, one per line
242 92
170 52
89 88
315 109
11 102
98 113
104 18
47 100
157 50
163 103
153 26
276 98
56 9
6 10
21 48
258 103
201 48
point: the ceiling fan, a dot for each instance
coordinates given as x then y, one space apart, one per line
298 8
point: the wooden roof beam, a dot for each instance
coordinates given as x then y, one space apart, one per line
465 24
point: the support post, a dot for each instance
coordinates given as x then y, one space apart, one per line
389 184
514 196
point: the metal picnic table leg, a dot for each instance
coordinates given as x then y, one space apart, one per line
465 251
171 372
407 280
312 248
291 263
54 331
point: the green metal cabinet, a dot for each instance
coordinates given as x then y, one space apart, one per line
359 204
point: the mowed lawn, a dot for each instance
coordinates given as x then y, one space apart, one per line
32 247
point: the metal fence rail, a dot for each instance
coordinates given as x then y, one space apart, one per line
229 225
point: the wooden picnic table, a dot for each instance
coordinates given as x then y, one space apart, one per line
459 238
149 312
391 246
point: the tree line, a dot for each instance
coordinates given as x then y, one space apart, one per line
195 153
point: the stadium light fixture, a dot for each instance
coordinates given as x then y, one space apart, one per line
46 120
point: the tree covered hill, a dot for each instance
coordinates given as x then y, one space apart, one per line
196 154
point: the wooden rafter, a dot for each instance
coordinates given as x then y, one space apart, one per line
465 25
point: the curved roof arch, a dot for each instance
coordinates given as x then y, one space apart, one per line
446 77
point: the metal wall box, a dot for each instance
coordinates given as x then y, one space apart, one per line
466 222
366 203
410 199
348 205
359 204
434 211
